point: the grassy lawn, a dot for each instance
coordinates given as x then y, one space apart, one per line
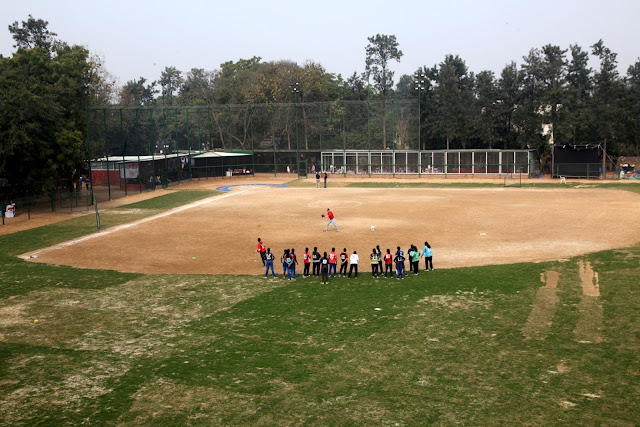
476 346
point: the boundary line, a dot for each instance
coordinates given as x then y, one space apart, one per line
37 252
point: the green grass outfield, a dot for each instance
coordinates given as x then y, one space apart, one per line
472 346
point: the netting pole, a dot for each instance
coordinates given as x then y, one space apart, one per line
253 154
124 161
344 142
320 132
188 146
419 136
104 119
152 181
138 150
175 116
88 157
164 148
229 120
295 106
199 134
273 140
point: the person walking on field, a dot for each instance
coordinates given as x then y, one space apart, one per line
324 266
374 263
306 258
316 261
325 179
344 262
388 262
261 250
428 256
331 219
269 259
354 258
317 179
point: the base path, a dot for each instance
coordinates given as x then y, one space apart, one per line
465 227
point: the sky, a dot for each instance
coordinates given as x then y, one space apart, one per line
139 38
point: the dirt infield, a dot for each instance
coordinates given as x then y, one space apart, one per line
466 227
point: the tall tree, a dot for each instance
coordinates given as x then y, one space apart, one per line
487 118
633 107
32 33
530 116
454 99
509 86
577 96
170 83
42 109
136 92
381 50
608 113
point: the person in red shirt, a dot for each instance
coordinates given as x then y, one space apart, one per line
262 250
306 257
331 220
333 259
344 262
388 264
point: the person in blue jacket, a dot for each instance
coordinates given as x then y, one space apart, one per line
428 256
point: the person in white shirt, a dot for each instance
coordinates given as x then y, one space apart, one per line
353 259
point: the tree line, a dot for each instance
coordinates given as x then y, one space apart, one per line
552 96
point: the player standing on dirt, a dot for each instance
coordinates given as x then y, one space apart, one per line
318 179
261 250
331 220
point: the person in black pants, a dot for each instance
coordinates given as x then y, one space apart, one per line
316 261
344 262
379 259
306 261
354 264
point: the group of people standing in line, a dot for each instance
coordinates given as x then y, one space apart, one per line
325 265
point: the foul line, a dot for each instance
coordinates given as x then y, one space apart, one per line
128 225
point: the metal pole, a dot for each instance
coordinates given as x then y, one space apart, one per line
604 160
152 152
295 106
188 145
138 145
88 153
104 119
124 161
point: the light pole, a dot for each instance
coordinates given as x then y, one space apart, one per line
419 85
295 90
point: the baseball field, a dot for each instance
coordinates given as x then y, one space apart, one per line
163 317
